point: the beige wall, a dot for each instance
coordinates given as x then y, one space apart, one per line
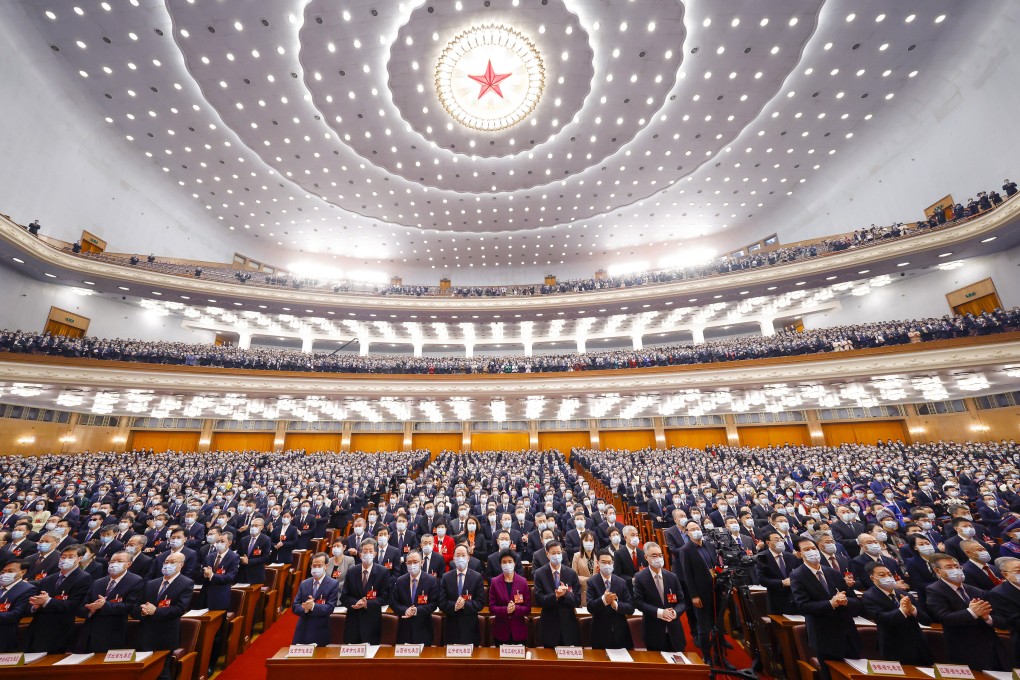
47 438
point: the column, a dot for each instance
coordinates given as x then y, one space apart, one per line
469 350
529 348
698 332
205 437
306 343
408 433
465 436
767 327
121 436
593 432
533 434
280 440
345 437
244 340
71 439
581 344
732 436
815 428
917 432
660 432
418 346
364 344
638 341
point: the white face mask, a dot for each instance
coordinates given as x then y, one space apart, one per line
588 546
414 569
318 572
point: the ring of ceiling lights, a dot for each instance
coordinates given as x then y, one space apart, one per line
504 99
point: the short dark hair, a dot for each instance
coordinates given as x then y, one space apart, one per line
871 566
804 539
503 554
77 548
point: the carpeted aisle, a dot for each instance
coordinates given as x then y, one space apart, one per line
252 664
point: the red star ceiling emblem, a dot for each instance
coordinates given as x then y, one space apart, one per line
490 81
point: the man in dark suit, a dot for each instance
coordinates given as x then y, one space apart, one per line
431 561
305 522
676 539
899 618
176 543
219 573
629 559
846 530
365 592
108 544
44 562
140 562
558 593
403 539
610 603
15 592
828 605
254 551
109 604
657 595
462 597
871 553
697 559
774 568
966 617
413 598
160 610
59 598
502 542
316 598
1005 601
978 570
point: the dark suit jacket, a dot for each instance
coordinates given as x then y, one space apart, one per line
697 574
313 626
52 627
106 629
365 625
847 535
494 570
289 537
17 606
919 576
40 567
258 558
1005 599
462 626
216 590
779 598
609 629
675 541
141 565
162 629
899 637
831 631
435 564
623 564
557 624
859 566
968 640
189 568
418 628
975 576
660 636
507 627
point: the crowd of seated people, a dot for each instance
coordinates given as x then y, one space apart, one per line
783 343
730 263
892 532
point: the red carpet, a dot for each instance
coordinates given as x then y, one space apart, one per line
252 664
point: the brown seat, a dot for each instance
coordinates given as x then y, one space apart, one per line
189 638
438 623
337 624
937 645
389 629
486 623
637 631
584 623
185 666
807 662
235 626
869 642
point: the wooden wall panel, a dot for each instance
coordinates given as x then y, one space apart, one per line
313 442
864 432
696 438
437 442
163 440
377 442
774 435
627 440
564 441
500 441
243 441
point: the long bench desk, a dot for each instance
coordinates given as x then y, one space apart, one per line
44 669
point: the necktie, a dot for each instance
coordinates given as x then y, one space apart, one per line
963 594
834 563
556 579
216 562
991 575
162 590
364 580
821 579
608 589
658 586
109 587
634 557
460 584
782 565
60 582
789 543
315 589
414 590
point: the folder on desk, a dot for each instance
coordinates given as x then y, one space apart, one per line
861 621
339 610
619 655
581 611
73 659
196 612
796 618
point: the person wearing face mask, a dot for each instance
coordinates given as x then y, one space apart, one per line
493 568
14 593
558 593
572 539
60 596
697 559
413 598
159 612
871 551
780 524
610 523
284 537
45 561
584 563
828 605
338 563
219 573
658 597
388 556
365 592
462 597
774 568
90 530
509 602
1005 601
19 547
108 544
899 617
629 558
156 537
402 536
540 557
846 529
176 544
316 598
966 530
475 538
140 562
444 543
110 602
432 562
39 515
254 551
978 570
610 603
968 629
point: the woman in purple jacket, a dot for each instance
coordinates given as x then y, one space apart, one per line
510 603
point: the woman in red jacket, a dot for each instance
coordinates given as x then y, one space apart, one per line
510 603
445 545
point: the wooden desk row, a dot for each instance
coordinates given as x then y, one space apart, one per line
484 662
44 669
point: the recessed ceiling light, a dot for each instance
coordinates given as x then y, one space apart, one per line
48 275
987 240
123 288
945 254
902 264
864 271
18 260
940 18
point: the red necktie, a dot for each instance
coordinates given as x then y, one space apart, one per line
991 574
634 555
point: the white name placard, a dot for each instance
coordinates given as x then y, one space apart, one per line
513 652
459 651
570 653
948 670
301 651
353 651
120 656
408 650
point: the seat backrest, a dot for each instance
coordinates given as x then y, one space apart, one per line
804 651
437 629
869 641
637 631
937 645
237 600
584 623
337 624
389 629
189 634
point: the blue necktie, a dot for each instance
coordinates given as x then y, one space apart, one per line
556 579
414 590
